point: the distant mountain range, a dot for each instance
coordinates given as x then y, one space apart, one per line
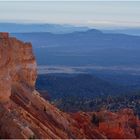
91 47
129 31
91 38
59 28
53 28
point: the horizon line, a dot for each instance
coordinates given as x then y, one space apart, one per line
68 24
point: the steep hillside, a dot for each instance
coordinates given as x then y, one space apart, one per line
80 85
25 114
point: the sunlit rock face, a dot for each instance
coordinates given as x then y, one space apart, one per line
17 65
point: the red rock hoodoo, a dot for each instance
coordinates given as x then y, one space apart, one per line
25 114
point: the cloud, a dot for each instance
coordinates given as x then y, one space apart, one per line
113 23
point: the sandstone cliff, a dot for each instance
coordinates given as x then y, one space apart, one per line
25 114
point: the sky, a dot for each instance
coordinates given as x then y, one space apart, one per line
87 13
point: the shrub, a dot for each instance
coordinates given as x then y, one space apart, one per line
95 119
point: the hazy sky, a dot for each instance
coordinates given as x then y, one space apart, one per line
91 13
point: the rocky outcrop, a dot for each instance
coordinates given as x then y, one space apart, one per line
120 125
17 65
25 114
